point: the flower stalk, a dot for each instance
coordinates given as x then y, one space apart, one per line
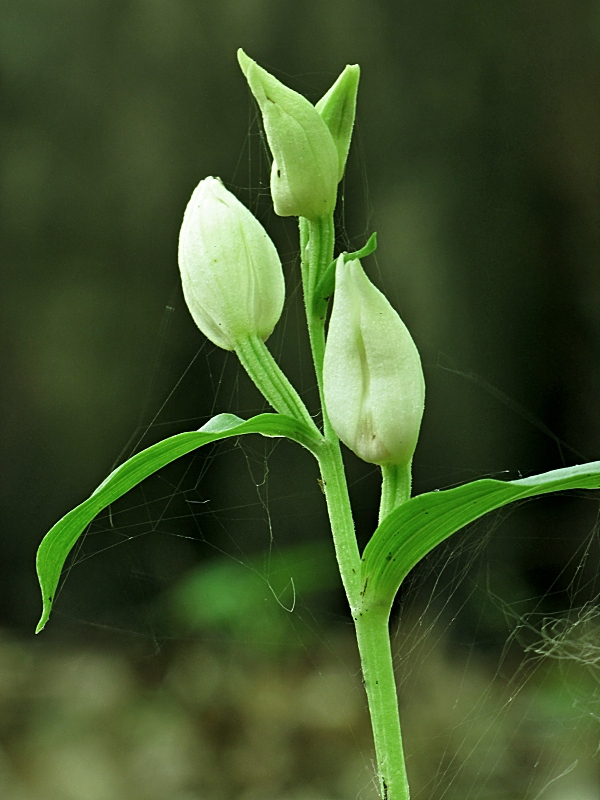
367 367
371 624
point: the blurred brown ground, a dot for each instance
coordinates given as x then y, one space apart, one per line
202 722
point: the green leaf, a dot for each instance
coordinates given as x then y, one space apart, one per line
326 284
60 539
338 110
251 601
413 529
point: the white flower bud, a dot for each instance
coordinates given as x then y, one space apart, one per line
304 174
372 375
230 270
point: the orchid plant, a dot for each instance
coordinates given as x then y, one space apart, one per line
368 372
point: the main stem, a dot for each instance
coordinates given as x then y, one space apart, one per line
373 636
316 249
372 625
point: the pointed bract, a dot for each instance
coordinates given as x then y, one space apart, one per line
304 174
230 270
338 109
372 375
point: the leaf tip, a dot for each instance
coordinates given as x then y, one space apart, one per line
43 620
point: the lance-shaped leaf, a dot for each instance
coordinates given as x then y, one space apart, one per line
60 539
338 108
411 531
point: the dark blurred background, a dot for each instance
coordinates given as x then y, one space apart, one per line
476 158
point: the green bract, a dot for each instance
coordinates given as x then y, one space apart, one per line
338 108
230 270
304 174
372 376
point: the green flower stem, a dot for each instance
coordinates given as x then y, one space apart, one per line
342 523
372 633
270 380
316 249
317 238
395 488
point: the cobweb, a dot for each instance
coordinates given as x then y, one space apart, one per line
508 707
499 689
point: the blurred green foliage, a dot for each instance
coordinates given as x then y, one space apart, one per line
257 604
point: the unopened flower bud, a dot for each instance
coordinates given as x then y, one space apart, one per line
338 108
372 375
230 270
304 174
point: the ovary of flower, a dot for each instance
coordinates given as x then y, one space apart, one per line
372 375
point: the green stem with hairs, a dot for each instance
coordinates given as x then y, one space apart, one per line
271 381
373 636
395 488
317 239
371 624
